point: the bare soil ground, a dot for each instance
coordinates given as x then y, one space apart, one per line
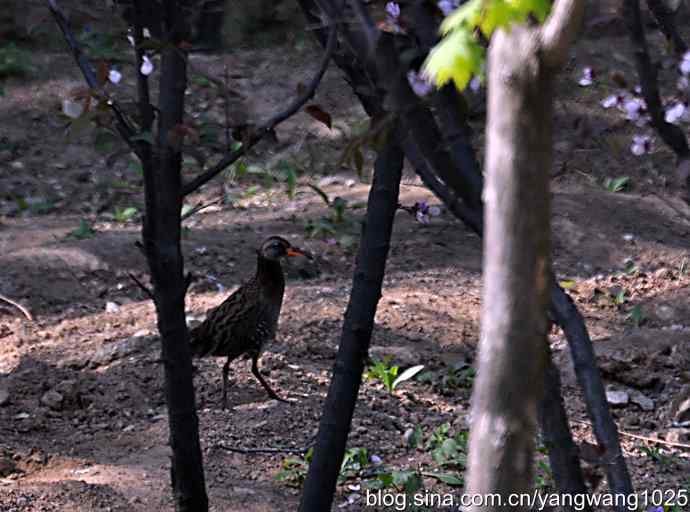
83 423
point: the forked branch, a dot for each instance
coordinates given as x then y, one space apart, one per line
259 133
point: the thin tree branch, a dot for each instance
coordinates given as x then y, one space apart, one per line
558 439
671 134
251 451
219 83
257 134
143 94
665 18
17 305
144 288
199 207
654 440
123 126
366 24
566 315
559 31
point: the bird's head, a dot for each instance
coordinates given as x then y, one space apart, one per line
275 247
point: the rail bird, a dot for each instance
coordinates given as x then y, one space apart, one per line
243 323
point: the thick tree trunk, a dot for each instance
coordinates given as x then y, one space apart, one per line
513 346
441 181
339 407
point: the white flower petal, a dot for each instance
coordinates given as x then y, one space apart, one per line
393 9
114 76
610 101
684 65
420 83
72 109
587 77
146 66
675 113
447 6
146 32
130 39
637 149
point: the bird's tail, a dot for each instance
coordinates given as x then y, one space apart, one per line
200 343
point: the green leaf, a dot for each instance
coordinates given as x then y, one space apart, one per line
636 315
498 14
386 479
186 208
407 374
567 284
358 157
614 185
416 438
446 478
124 215
467 15
410 481
540 9
83 231
291 180
457 57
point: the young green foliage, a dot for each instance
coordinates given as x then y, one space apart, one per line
459 55
388 375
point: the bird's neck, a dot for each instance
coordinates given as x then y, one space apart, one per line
269 273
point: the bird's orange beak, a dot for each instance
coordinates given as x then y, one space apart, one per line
296 251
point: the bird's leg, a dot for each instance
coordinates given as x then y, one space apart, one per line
226 369
257 374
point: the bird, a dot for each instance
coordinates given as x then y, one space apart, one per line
244 322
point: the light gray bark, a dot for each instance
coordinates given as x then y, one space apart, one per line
512 356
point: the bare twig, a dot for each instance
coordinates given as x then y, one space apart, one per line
141 285
220 84
264 450
198 208
267 127
366 24
21 308
654 440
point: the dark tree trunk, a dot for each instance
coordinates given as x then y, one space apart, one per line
567 316
161 235
339 407
564 457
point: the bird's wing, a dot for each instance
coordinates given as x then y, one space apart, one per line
228 326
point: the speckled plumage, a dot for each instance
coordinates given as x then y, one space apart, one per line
248 319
